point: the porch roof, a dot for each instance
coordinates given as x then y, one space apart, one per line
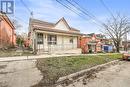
57 31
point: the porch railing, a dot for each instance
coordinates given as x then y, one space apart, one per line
59 47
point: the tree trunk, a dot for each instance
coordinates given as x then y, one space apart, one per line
118 48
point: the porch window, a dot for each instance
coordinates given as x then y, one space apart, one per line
52 39
39 38
71 39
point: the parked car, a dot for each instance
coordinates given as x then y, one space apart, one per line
126 56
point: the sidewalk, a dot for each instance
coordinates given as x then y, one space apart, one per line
18 58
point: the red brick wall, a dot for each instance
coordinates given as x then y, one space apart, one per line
7 34
85 40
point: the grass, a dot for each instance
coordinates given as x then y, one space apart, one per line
11 53
53 68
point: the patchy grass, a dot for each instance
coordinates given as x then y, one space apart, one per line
53 68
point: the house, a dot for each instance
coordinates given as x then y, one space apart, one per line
125 45
56 37
92 43
7 32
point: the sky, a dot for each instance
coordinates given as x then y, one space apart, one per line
52 11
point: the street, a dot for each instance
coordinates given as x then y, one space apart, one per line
114 76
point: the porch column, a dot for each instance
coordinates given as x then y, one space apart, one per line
62 42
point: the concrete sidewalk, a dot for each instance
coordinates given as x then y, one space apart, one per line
18 58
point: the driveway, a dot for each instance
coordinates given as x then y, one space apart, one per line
114 76
19 74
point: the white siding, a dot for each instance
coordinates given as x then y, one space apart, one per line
61 26
63 43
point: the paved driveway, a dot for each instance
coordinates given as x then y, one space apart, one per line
19 74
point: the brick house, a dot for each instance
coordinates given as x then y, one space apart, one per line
92 42
56 37
7 32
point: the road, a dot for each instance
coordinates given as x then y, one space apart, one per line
114 76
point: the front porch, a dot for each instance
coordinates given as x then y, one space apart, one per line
56 43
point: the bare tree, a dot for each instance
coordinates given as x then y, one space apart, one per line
116 28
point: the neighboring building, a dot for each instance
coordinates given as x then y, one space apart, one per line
92 43
7 32
125 45
54 37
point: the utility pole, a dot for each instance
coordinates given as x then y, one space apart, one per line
31 14
125 42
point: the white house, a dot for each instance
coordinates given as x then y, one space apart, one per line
53 37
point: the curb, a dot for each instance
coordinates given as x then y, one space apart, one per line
72 77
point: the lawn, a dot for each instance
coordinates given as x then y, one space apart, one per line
53 68
11 53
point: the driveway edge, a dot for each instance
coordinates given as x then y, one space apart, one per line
66 80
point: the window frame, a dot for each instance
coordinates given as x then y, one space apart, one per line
71 40
52 39
39 38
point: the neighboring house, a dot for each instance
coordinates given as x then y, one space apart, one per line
7 32
125 45
53 37
92 43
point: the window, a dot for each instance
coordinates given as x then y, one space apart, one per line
39 38
52 39
71 39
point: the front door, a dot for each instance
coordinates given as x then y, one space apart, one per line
40 42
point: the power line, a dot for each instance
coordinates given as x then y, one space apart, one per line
84 11
91 15
70 8
26 6
106 7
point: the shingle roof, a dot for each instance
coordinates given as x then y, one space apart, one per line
36 22
100 36
58 31
44 24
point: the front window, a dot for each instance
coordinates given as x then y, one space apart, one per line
39 38
52 39
71 39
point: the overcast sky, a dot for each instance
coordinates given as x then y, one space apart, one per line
52 11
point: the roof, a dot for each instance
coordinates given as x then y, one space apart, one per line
6 18
55 30
35 23
100 36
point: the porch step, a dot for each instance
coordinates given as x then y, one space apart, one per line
43 52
